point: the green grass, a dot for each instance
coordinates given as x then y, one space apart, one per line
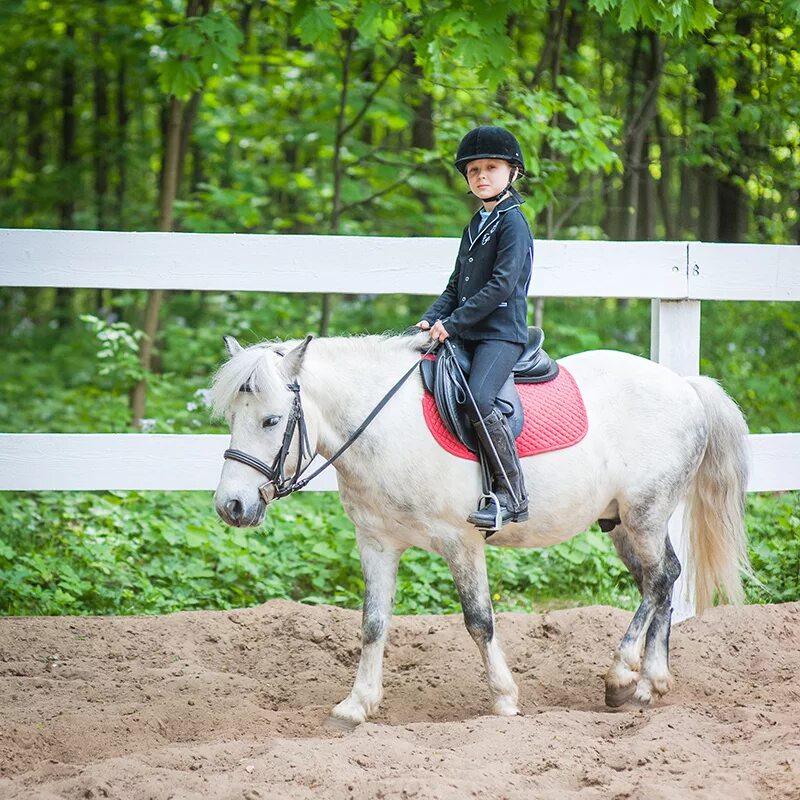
156 552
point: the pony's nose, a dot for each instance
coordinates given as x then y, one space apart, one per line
234 510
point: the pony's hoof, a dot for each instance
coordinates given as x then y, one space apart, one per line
661 684
643 696
617 696
621 683
349 714
340 725
505 707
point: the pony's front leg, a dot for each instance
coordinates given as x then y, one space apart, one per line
379 564
467 561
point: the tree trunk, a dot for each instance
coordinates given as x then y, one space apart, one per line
189 117
421 102
709 194
101 147
797 224
246 25
664 183
552 42
68 162
68 166
35 130
636 135
550 58
423 135
169 182
552 52
29 129
123 116
732 202
349 37
687 174
732 205
646 229
169 185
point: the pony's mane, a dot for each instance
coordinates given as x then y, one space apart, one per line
254 368
251 367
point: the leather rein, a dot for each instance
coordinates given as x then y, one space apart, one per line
275 474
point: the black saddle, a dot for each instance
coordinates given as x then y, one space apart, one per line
442 379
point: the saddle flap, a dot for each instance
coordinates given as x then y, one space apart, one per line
426 370
441 378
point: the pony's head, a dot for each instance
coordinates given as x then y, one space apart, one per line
252 390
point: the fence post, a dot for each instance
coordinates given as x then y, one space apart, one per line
675 343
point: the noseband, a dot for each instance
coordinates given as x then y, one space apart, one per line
275 473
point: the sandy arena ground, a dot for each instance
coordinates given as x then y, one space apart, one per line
232 705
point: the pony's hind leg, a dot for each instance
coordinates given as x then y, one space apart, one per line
379 562
467 562
641 664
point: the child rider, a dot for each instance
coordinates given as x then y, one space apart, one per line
484 305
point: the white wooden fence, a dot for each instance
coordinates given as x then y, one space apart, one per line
676 276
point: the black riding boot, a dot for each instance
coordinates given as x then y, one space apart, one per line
500 436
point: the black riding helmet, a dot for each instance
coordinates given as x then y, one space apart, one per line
489 141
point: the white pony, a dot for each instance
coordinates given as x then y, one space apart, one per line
654 439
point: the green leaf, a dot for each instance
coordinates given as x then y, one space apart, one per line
368 22
316 26
179 78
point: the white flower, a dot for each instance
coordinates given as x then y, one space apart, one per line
203 396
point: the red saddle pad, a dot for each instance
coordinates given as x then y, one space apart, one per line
555 418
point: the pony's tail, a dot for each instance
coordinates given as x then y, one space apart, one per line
715 503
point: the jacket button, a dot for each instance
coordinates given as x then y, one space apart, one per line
467 278
463 299
471 260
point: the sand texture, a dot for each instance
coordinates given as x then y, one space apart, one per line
232 705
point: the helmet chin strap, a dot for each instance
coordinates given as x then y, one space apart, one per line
509 188
497 196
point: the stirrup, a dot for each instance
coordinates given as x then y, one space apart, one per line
483 502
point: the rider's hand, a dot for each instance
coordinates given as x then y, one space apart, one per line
438 331
423 324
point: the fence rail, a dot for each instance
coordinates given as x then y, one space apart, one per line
381 265
81 461
675 276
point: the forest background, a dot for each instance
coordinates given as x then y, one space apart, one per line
640 119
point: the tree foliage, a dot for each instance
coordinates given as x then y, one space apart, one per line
640 119
341 115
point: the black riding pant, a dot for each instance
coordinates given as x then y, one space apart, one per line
492 362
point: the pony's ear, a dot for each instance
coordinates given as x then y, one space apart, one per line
293 360
231 345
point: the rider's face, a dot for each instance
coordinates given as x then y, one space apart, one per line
488 176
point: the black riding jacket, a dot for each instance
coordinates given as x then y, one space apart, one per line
486 296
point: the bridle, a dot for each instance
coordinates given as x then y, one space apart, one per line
275 474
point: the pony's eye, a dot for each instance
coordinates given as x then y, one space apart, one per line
271 421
